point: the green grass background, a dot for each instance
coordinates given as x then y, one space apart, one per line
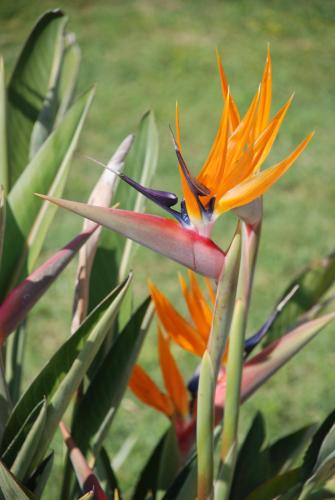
145 55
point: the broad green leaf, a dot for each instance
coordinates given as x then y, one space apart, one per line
141 164
61 376
27 221
10 488
37 482
169 462
184 487
3 130
313 282
276 486
15 353
312 454
253 466
30 83
285 452
322 453
99 404
21 467
46 213
9 454
68 74
150 478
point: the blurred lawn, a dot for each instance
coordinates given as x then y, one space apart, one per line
148 54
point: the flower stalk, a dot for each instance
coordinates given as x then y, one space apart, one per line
210 365
249 246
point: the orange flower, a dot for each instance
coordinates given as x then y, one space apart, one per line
231 176
175 401
191 335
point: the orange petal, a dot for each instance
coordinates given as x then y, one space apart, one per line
198 308
237 163
257 184
175 325
191 201
147 391
234 117
265 97
173 379
213 168
265 141
200 299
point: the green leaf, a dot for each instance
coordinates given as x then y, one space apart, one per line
141 164
3 130
286 450
161 468
15 353
314 282
29 85
10 488
37 482
184 487
99 404
312 453
27 221
276 486
252 466
21 467
106 474
68 74
321 454
9 454
61 376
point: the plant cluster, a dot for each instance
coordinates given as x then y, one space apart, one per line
80 388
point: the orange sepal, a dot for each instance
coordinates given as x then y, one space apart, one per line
234 116
147 391
173 379
175 325
257 184
265 97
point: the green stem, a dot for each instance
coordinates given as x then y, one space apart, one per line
249 247
224 302
205 420
210 366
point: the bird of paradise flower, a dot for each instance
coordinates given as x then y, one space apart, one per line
230 179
